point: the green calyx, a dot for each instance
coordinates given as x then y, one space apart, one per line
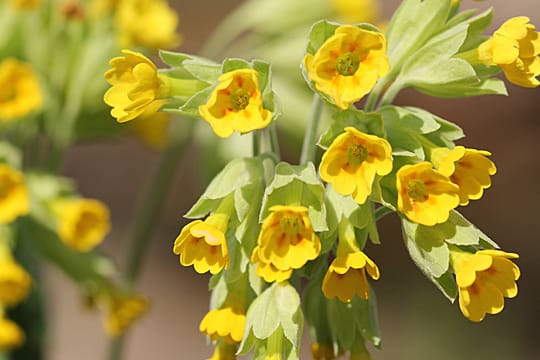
347 64
239 99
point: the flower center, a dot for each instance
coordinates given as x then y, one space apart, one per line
290 225
416 190
347 64
7 94
357 153
239 99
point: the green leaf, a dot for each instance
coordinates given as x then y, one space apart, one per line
459 231
234 64
446 134
346 207
369 123
447 285
367 319
342 323
190 107
488 86
477 25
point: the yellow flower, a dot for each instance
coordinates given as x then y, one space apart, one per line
122 311
356 11
514 47
147 23
425 196
11 335
484 279
25 4
14 198
352 161
151 127
469 169
82 223
267 270
224 351
20 93
287 240
14 282
236 104
348 64
225 323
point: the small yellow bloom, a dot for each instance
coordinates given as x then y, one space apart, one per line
11 335
352 161
484 279
82 223
14 282
287 239
25 4
356 11
514 47
147 23
225 323
224 351
14 198
236 104
425 196
267 270
122 311
348 64
469 169
20 93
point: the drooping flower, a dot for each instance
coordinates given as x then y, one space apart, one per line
121 310
352 161
14 282
425 196
225 323
484 279
14 198
514 47
287 239
11 335
236 104
147 23
20 93
349 63
267 270
469 169
82 223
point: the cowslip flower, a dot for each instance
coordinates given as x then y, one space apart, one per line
82 223
425 196
15 282
236 104
352 161
470 169
484 279
267 270
514 47
349 63
225 323
147 23
11 335
151 127
287 239
121 311
20 93
14 198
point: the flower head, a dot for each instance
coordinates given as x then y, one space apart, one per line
352 161
14 282
425 196
236 104
267 270
514 47
122 310
14 198
484 279
11 335
347 66
20 93
225 323
469 169
82 223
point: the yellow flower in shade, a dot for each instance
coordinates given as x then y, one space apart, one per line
25 4
225 323
122 311
484 279
236 104
469 169
352 161
224 351
425 196
11 335
322 352
14 282
147 23
82 223
267 270
20 93
514 47
348 64
152 126
287 240
356 11
14 198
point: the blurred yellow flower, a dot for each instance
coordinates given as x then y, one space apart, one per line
356 11
267 270
14 198
11 335
151 127
25 4
469 169
82 223
484 279
147 23
348 64
322 352
121 311
514 47
425 196
224 351
225 323
20 93
14 282
352 161
236 104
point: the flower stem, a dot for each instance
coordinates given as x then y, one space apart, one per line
308 147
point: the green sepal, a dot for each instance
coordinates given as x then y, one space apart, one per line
10 155
198 67
487 86
319 33
477 25
297 185
328 237
346 207
315 310
189 107
447 284
446 134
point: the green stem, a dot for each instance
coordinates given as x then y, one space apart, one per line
256 142
308 147
381 212
274 144
390 94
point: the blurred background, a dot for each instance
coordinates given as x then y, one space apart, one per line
417 322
